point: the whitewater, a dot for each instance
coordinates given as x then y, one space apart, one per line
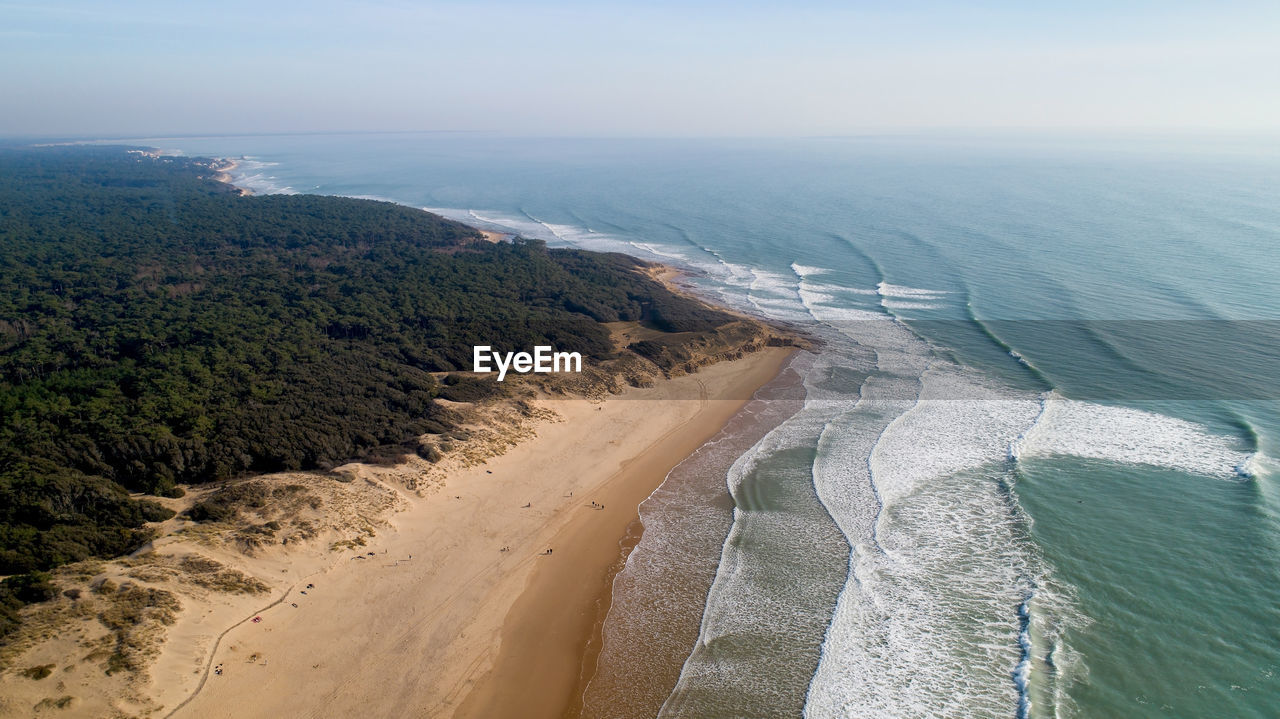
974 498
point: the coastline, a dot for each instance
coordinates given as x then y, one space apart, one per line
455 593
552 633
436 627
222 168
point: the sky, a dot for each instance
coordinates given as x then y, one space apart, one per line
656 68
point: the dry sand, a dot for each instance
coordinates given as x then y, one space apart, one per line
141 646
441 621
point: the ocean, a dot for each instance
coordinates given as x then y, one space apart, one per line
1030 471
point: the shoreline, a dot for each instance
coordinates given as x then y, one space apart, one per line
222 168
464 587
429 628
553 632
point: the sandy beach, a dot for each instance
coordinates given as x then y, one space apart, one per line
459 610
222 169
468 581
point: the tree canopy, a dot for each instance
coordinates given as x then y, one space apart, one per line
156 327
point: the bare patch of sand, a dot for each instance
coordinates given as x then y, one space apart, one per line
132 636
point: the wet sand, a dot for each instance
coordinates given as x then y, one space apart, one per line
548 636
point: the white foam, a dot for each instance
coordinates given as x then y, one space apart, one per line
738 598
1018 356
927 623
526 225
661 584
1259 465
254 175
1125 435
516 225
826 308
806 274
480 218
775 295
654 250
907 305
924 625
915 472
898 298
809 271
825 303
887 290
944 434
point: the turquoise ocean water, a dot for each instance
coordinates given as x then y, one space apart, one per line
1033 473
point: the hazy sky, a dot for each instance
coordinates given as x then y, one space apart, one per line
635 68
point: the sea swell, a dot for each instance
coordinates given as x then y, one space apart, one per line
874 560
957 375
945 606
